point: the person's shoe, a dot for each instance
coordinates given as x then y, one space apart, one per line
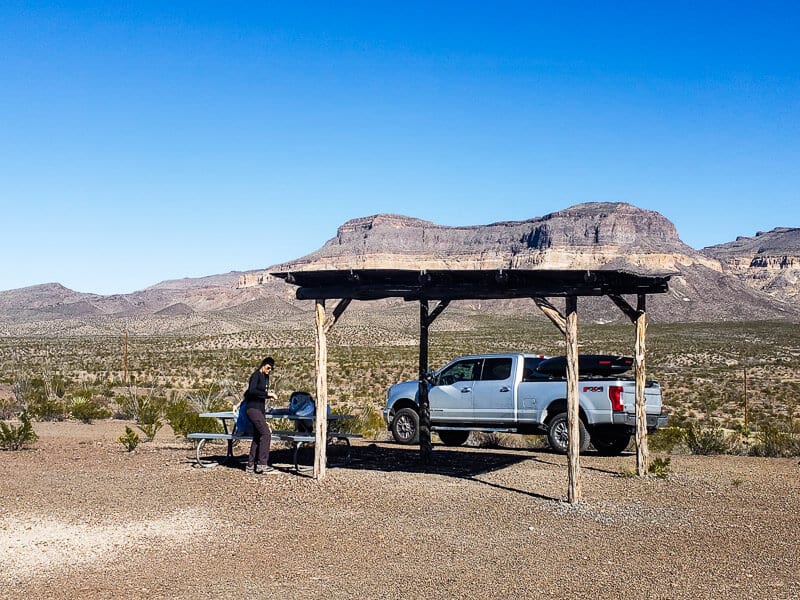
249 469
266 471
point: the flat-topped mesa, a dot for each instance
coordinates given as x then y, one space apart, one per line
586 236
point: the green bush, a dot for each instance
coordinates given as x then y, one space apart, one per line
15 437
8 408
368 421
129 439
664 440
660 467
146 408
43 397
87 410
706 440
775 442
184 419
149 421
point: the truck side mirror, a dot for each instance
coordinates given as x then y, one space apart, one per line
430 377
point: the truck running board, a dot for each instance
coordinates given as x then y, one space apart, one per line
495 429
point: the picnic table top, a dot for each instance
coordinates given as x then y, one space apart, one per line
228 414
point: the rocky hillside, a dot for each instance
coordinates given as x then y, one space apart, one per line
752 278
769 261
586 236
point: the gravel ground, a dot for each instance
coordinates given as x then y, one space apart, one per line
81 518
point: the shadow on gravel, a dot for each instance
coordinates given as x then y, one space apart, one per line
460 463
466 463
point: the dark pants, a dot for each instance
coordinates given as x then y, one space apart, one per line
262 437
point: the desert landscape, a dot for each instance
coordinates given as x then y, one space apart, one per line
82 518
89 515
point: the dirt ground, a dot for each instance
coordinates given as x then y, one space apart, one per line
81 518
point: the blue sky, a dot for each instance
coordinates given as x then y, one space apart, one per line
144 141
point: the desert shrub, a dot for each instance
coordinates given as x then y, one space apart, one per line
660 467
148 420
8 408
145 407
216 397
535 442
368 421
184 419
15 437
486 439
129 439
42 397
775 442
86 410
706 440
665 439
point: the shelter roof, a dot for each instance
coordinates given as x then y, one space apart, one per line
462 284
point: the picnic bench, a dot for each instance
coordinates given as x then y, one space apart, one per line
297 439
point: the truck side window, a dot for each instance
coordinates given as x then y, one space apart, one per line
496 369
529 372
463 370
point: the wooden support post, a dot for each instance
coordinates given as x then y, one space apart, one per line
569 327
573 402
425 445
639 318
642 450
321 356
552 313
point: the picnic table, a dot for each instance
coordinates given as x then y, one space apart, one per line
303 435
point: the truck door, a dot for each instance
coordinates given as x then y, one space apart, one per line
493 394
451 397
528 410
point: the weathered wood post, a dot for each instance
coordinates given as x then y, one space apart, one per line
642 450
425 445
573 402
639 319
569 328
321 359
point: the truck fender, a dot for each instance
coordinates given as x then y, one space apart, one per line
559 406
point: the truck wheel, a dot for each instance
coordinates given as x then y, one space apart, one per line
558 434
453 437
405 426
610 441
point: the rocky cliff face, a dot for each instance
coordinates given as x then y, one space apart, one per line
769 261
586 236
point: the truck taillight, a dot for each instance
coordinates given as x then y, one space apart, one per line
615 395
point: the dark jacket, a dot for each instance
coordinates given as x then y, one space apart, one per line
257 387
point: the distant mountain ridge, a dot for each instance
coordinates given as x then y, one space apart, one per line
586 236
750 278
769 261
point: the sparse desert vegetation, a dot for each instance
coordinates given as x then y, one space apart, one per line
731 387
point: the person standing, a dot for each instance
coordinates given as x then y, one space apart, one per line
256 397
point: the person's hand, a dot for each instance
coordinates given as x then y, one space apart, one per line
272 396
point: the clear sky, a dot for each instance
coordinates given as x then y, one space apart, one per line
143 141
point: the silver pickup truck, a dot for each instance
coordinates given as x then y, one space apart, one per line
525 393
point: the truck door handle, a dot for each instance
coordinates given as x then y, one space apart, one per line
505 389
465 390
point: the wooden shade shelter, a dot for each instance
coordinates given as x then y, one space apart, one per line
443 286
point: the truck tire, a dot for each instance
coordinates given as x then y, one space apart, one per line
405 426
558 434
610 441
453 437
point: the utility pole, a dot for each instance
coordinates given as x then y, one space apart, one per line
125 374
746 420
